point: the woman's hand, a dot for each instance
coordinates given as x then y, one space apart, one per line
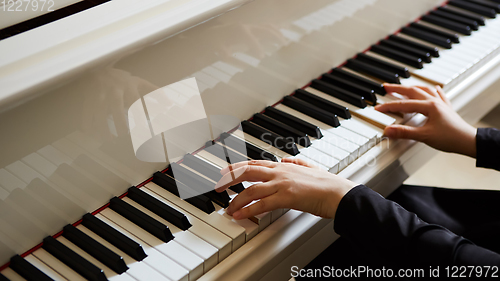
444 130
291 184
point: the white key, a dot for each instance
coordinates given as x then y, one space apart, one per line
226 226
110 274
276 214
203 230
323 158
262 220
365 129
368 113
164 265
333 150
134 266
341 143
209 158
44 268
308 160
182 255
253 225
172 249
57 265
12 275
363 143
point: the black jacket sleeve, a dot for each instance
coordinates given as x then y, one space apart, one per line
488 148
382 228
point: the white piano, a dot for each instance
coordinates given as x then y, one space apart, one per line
66 150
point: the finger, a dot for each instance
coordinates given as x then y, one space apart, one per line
244 173
430 91
300 162
403 132
404 106
264 163
410 92
442 95
251 193
264 205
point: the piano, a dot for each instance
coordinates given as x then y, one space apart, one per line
76 202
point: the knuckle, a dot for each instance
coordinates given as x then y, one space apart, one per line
434 104
249 169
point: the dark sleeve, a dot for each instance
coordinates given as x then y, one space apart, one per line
382 228
488 148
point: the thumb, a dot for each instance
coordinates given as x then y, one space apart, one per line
402 132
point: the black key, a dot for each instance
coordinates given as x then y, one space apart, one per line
434 51
479 19
3 278
474 7
371 70
199 183
458 27
171 185
270 138
281 129
352 87
27 270
141 219
293 121
425 56
253 151
73 260
487 3
108 233
208 170
455 38
474 25
322 103
225 154
338 93
427 36
399 56
95 249
370 84
400 70
161 209
202 167
311 110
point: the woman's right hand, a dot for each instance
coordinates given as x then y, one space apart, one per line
444 130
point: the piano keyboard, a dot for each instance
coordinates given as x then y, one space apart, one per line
150 233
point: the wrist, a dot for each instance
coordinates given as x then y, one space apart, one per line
338 192
470 142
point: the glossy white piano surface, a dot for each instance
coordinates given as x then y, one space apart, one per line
65 89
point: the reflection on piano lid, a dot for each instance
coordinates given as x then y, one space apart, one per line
148 232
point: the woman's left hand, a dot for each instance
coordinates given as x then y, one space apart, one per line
291 184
